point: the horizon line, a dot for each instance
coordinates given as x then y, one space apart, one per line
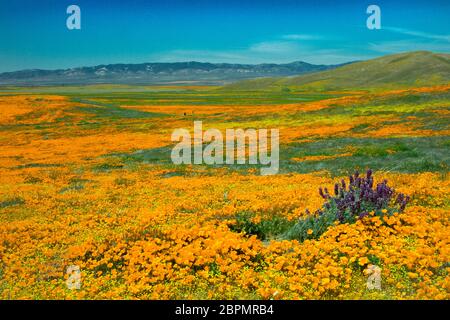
218 63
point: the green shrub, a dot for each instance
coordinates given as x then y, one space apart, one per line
265 229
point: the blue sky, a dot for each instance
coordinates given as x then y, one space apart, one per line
33 34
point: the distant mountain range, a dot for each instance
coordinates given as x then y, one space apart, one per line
158 73
419 68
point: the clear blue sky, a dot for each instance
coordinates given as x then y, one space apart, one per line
33 34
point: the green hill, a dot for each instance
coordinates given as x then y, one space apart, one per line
420 68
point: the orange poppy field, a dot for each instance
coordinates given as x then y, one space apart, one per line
86 180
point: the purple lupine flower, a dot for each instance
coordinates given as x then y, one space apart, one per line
363 214
321 193
362 196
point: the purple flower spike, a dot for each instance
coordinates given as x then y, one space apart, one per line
321 193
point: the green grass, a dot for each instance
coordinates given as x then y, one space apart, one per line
11 202
406 155
409 155
109 110
112 96
266 229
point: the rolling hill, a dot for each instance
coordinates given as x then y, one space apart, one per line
420 68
